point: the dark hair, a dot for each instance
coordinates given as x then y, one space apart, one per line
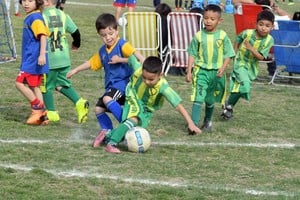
265 15
153 64
214 8
163 9
263 2
106 20
39 4
296 16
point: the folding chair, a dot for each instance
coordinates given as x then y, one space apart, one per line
287 49
246 16
182 27
143 31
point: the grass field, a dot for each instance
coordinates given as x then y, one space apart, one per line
253 156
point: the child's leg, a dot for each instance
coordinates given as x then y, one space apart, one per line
196 112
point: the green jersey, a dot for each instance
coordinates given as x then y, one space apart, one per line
245 58
151 98
59 25
210 49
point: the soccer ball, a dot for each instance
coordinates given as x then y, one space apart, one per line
122 21
138 140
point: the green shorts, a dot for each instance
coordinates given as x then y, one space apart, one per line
240 82
56 78
208 87
135 108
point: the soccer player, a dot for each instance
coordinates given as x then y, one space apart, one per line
119 4
145 93
34 60
252 45
209 52
112 56
59 25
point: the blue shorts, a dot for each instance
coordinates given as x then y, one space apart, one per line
123 3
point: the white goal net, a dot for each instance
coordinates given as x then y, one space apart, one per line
7 40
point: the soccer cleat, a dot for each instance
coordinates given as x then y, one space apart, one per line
100 138
44 119
18 14
111 148
36 117
82 107
227 112
207 126
53 116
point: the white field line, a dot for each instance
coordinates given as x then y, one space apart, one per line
197 144
182 184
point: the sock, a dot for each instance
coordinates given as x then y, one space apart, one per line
209 109
36 104
233 98
49 100
115 108
104 121
118 134
196 112
70 93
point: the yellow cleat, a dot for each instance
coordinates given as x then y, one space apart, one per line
82 107
53 116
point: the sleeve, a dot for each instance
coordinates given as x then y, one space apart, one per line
265 51
95 62
240 38
172 97
127 49
193 47
39 28
134 63
228 48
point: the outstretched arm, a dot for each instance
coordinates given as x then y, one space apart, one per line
192 127
81 67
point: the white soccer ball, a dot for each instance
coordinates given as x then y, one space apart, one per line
122 21
137 140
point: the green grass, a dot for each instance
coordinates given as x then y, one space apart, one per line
254 156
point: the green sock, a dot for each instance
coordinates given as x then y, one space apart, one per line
196 112
70 93
209 109
233 98
118 134
49 100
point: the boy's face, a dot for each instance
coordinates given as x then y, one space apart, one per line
264 27
211 20
150 79
29 5
109 36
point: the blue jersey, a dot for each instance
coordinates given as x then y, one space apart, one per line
33 27
198 4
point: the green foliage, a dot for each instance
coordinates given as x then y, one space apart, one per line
253 156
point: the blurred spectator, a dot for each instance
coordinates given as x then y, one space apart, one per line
16 6
119 4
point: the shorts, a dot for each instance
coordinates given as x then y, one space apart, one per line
134 107
32 80
115 94
123 3
57 78
240 82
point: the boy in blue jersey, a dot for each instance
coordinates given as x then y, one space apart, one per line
210 52
34 60
112 56
145 93
251 45
60 24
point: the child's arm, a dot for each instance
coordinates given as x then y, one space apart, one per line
188 77
81 67
139 56
42 56
192 127
256 54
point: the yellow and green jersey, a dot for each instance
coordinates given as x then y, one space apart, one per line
245 58
210 49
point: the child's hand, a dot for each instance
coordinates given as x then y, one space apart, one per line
71 73
115 59
73 48
193 130
42 60
247 45
220 72
188 77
